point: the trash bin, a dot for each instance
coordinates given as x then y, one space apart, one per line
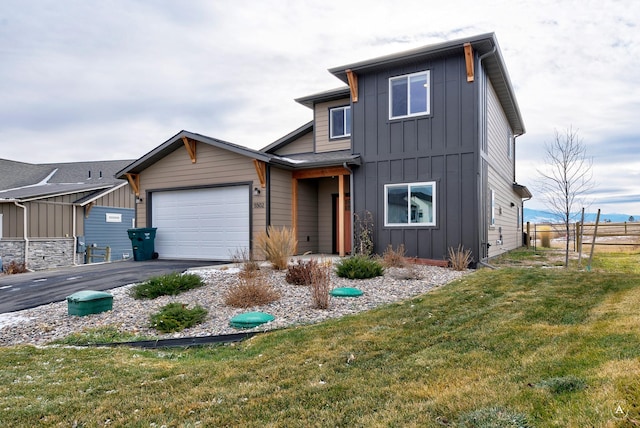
142 241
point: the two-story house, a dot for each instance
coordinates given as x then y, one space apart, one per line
421 142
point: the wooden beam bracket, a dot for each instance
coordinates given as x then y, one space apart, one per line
352 78
190 145
261 170
134 182
468 57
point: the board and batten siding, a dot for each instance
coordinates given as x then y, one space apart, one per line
440 147
304 144
321 126
119 198
214 167
500 180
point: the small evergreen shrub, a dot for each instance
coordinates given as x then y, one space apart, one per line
166 285
394 258
359 267
249 292
459 258
177 317
277 245
301 272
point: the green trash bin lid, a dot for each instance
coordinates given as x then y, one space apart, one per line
250 319
87 296
346 292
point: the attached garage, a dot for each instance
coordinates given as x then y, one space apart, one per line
201 224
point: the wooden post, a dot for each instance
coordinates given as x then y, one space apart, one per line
593 240
579 236
528 235
107 254
89 254
294 210
341 250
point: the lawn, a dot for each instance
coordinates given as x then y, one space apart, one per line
516 346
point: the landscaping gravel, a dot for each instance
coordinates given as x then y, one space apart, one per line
41 325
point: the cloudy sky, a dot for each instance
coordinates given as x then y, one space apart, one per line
112 79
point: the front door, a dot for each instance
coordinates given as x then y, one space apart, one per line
347 224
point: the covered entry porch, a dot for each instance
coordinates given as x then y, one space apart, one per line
321 210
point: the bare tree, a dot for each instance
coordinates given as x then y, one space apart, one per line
566 178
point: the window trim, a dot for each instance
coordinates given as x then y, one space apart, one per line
428 95
432 223
347 129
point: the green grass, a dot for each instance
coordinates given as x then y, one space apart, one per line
510 347
166 285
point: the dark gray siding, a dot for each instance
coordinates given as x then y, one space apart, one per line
440 147
98 231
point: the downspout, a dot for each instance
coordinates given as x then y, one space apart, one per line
481 183
25 229
75 237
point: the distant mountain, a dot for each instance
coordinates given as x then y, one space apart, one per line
538 216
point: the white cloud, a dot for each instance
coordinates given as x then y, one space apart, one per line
88 79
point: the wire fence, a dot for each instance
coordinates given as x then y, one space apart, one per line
553 235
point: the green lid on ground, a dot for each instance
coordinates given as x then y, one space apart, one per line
250 319
346 292
88 295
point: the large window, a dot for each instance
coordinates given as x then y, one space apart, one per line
410 204
340 122
409 95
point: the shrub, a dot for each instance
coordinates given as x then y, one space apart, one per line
363 234
176 317
14 268
359 267
459 257
250 292
170 284
249 267
300 273
394 258
277 245
545 236
320 285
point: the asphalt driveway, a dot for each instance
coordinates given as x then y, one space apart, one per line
33 289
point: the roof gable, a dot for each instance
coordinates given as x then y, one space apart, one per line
176 142
25 181
486 46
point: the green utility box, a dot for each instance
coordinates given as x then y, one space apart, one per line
143 243
88 302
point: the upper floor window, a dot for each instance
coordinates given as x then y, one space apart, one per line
410 204
340 122
409 95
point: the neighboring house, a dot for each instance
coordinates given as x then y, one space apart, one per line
422 140
48 212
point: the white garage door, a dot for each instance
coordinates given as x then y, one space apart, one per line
201 224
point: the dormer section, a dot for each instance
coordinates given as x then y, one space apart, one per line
332 119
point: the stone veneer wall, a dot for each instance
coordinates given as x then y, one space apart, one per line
43 253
